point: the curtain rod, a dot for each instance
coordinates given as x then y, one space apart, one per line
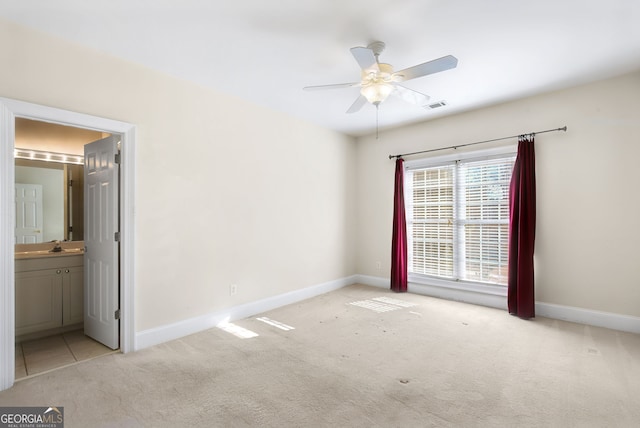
564 128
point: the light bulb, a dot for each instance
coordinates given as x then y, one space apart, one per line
376 92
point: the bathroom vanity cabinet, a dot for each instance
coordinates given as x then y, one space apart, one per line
49 293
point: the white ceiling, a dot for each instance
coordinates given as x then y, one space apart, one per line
267 51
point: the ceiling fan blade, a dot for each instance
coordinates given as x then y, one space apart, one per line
411 96
426 68
334 86
365 58
357 105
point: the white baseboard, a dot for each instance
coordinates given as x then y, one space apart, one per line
566 313
165 333
373 281
589 317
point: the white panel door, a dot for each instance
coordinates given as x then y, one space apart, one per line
101 220
29 219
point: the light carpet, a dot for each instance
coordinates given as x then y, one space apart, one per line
354 358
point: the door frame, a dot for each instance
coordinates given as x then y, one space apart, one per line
9 110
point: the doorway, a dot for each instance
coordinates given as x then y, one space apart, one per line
53 332
9 111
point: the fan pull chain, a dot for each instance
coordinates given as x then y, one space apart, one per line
377 109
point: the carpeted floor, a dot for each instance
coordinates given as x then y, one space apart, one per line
354 358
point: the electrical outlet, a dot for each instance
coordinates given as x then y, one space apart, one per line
233 289
378 265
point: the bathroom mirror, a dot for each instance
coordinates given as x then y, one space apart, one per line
51 155
61 199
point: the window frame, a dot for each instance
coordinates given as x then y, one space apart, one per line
435 161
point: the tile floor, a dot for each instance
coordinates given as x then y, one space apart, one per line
41 355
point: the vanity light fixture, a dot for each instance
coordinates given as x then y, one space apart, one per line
48 156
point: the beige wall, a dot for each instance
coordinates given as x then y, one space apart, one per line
587 182
227 191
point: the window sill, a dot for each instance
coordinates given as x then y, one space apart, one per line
487 289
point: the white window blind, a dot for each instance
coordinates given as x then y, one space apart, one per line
458 219
430 224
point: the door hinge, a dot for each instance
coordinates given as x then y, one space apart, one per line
116 314
70 183
116 236
117 158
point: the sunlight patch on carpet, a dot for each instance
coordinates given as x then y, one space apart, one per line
237 331
393 301
375 306
278 324
382 304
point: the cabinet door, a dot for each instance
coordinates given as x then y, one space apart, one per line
73 295
38 300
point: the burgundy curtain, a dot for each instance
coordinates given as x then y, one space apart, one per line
522 230
399 239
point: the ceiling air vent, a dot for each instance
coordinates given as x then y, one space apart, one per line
435 105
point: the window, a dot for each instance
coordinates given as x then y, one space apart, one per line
458 219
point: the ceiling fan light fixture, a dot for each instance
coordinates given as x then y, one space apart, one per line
378 80
377 85
377 92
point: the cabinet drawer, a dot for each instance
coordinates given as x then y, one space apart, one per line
49 262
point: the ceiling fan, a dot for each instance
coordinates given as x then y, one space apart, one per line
378 80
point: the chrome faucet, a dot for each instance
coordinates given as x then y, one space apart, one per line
57 247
